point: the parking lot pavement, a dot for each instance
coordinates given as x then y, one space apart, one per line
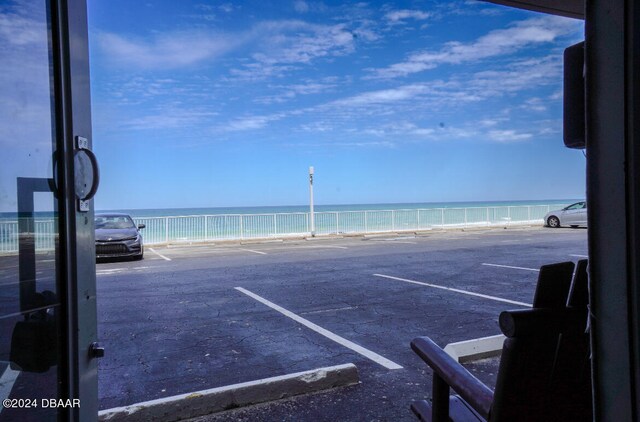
214 315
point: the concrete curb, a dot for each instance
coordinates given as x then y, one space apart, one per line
477 348
258 242
214 400
323 237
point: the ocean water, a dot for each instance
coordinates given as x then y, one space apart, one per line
168 212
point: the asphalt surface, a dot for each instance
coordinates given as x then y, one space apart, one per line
176 322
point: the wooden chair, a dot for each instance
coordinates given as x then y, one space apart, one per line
544 372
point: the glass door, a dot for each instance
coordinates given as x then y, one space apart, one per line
47 177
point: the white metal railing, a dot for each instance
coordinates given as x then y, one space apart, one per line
205 228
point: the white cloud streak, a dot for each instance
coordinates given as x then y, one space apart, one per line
251 122
399 16
301 6
167 50
274 47
169 119
292 91
508 136
496 43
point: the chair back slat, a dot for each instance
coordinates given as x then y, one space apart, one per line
554 282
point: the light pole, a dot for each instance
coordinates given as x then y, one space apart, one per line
313 227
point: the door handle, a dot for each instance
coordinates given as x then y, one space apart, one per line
86 173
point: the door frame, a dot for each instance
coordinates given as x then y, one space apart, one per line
78 366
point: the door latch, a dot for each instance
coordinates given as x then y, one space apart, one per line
86 173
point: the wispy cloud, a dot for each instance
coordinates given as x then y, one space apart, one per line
469 7
167 50
269 48
518 76
383 144
384 96
534 104
496 43
428 98
302 6
22 26
318 127
289 92
168 119
507 136
406 131
300 42
227 7
400 16
284 46
25 102
250 122
212 13
345 144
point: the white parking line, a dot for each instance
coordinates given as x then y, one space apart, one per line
324 246
465 292
8 316
381 360
346 308
6 383
159 254
251 250
109 270
579 256
393 241
509 266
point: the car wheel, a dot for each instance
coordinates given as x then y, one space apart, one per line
553 222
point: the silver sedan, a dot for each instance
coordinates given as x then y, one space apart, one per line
573 215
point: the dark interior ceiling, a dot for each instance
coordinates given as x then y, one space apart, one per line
568 8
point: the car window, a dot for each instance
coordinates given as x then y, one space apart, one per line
575 206
114 222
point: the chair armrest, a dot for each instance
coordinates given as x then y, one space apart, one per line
470 388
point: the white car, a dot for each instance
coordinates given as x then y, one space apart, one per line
574 215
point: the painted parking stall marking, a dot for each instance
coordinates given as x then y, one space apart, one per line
322 311
512 267
381 360
159 254
451 289
110 271
253 251
118 270
323 246
8 378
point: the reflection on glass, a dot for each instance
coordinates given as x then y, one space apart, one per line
29 302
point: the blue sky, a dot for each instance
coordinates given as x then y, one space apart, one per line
202 104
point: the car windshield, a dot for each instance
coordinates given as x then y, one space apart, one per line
114 222
576 206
